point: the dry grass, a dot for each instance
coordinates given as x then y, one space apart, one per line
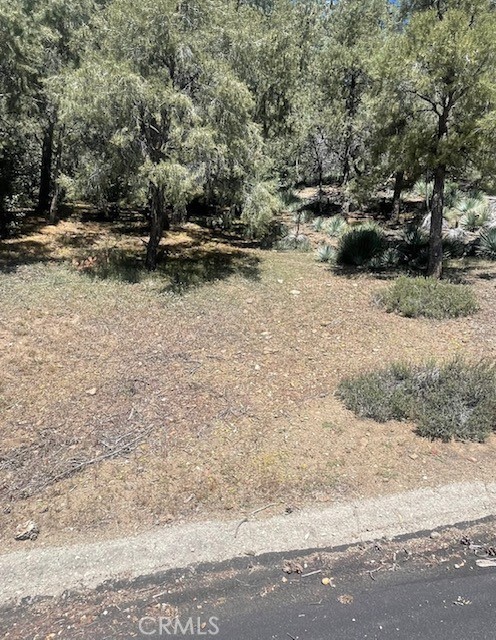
225 391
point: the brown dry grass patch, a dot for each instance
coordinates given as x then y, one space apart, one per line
225 394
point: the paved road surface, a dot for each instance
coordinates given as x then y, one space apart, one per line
425 606
426 587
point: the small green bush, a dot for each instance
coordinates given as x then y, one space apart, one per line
359 246
301 216
414 245
452 193
317 224
453 244
473 213
294 242
456 400
423 189
325 253
487 243
388 259
414 297
335 226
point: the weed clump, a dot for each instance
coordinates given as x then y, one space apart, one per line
414 297
456 400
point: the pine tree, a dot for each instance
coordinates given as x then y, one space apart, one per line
444 62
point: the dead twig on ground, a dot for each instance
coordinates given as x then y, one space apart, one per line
239 526
79 466
252 513
311 573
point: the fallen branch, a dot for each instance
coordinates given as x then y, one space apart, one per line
129 446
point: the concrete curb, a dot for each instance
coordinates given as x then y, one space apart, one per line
52 570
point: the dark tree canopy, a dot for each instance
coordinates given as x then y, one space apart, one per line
158 104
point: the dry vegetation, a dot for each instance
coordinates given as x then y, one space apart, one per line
126 404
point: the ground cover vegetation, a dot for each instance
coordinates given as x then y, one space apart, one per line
414 297
455 400
223 223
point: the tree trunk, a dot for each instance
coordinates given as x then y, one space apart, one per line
157 223
46 170
321 185
350 114
345 176
435 267
54 206
436 238
4 214
398 187
4 222
52 218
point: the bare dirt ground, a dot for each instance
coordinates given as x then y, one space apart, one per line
205 389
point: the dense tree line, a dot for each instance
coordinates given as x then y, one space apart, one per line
161 103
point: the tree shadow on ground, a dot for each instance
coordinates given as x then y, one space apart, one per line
181 268
22 252
465 274
356 273
487 275
468 273
189 255
201 267
234 236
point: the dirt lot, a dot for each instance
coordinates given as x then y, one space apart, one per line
133 401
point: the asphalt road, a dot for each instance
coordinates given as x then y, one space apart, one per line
422 587
428 606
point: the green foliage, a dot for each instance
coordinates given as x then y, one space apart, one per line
452 194
446 67
487 243
157 104
414 297
422 189
389 259
258 208
454 400
294 242
317 224
335 226
291 201
302 216
437 83
360 245
473 213
21 49
414 245
453 244
325 253
277 231
354 30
